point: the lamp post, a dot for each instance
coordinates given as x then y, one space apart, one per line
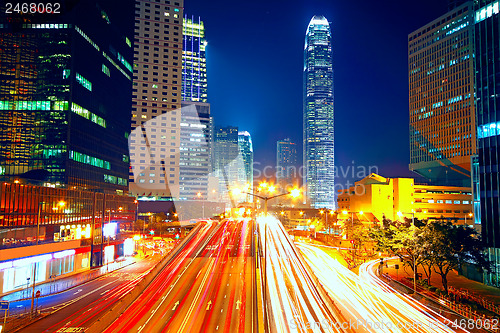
301 213
136 214
401 214
203 204
470 215
326 220
270 188
39 213
345 212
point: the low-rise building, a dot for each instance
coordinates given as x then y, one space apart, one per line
376 197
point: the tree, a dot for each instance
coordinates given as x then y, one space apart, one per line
449 246
139 225
318 224
359 235
158 222
402 239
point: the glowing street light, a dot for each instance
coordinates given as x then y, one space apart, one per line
295 193
271 189
470 215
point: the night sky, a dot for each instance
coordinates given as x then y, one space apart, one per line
255 62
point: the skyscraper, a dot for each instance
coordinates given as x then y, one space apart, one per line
286 163
318 114
225 151
245 174
65 87
441 98
194 159
194 63
156 100
486 188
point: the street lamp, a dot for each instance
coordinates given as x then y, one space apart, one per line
470 215
39 212
270 189
326 219
136 214
203 204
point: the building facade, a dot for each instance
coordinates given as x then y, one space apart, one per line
194 62
59 231
65 88
375 197
286 163
318 113
225 156
194 159
156 100
245 174
441 98
487 179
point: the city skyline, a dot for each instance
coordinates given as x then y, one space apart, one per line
195 245
370 114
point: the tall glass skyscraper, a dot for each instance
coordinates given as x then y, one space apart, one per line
65 89
286 160
487 178
441 98
194 63
245 174
318 114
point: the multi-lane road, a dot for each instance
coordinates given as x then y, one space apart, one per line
293 300
77 309
209 287
244 276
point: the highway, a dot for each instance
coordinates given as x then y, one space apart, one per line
79 307
293 301
368 304
209 287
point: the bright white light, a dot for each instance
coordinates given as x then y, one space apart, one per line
63 254
109 229
128 247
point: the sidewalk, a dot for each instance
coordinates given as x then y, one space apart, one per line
66 282
454 280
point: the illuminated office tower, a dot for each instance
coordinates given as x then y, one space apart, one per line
156 101
245 174
441 98
225 154
286 163
194 159
318 114
65 89
487 177
194 64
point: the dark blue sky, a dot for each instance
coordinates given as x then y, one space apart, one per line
255 60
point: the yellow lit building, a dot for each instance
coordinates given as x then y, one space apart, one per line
395 198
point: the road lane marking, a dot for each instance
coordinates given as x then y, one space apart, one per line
208 305
196 297
175 305
172 285
83 296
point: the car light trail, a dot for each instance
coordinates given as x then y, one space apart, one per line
294 303
370 303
